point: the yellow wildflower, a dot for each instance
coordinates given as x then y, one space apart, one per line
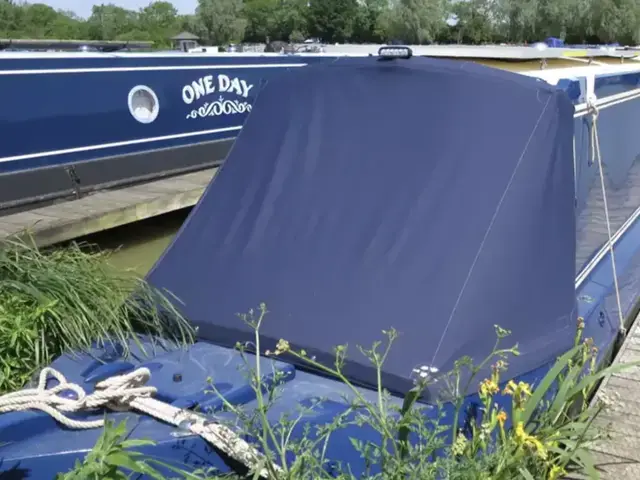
523 438
541 451
488 387
502 417
510 389
525 388
556 472
520 392
282 347
460 445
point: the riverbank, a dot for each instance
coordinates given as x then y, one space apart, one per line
107 210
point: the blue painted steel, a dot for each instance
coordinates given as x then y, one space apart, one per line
61 110
36 445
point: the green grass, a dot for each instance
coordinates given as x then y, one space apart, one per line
64 300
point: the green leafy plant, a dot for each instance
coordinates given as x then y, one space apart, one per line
552 423
63 300
113 455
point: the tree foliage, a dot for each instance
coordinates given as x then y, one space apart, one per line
222 21
412 21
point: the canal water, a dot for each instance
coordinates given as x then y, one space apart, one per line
137 246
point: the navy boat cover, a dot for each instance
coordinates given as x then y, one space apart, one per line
432 196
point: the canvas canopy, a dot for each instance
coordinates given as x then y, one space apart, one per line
432 196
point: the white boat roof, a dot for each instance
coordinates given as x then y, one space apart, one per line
497 52
578 62
537 51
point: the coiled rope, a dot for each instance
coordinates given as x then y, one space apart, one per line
123 393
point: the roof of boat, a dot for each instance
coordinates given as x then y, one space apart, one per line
505 52
428 195
498 52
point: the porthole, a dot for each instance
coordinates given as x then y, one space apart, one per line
143 104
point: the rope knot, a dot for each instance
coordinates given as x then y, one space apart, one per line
122 393
592 108
115 392
119 391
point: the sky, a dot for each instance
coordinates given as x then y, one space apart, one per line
83 7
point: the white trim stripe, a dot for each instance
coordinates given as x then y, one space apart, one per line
148 69
138 141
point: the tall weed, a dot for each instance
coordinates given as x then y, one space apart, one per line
65 300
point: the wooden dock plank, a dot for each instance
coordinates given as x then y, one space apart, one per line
107 209
618 456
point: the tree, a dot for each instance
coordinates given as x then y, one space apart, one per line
262 19
67 25
411 21
293 20
615 20
517 19
190 23
368 24
332 20
416 21
11 19
222 20
39 20
108 22
474 21
160 22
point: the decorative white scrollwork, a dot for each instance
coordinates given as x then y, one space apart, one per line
220 107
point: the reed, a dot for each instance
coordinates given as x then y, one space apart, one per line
69 299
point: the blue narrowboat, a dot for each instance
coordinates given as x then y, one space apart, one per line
74 122
437 197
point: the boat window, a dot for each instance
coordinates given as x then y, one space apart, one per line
143 104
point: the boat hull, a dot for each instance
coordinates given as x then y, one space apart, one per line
68 129
69 125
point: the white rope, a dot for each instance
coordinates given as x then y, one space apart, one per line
597 156
122 393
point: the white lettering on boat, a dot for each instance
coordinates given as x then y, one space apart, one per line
220 84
